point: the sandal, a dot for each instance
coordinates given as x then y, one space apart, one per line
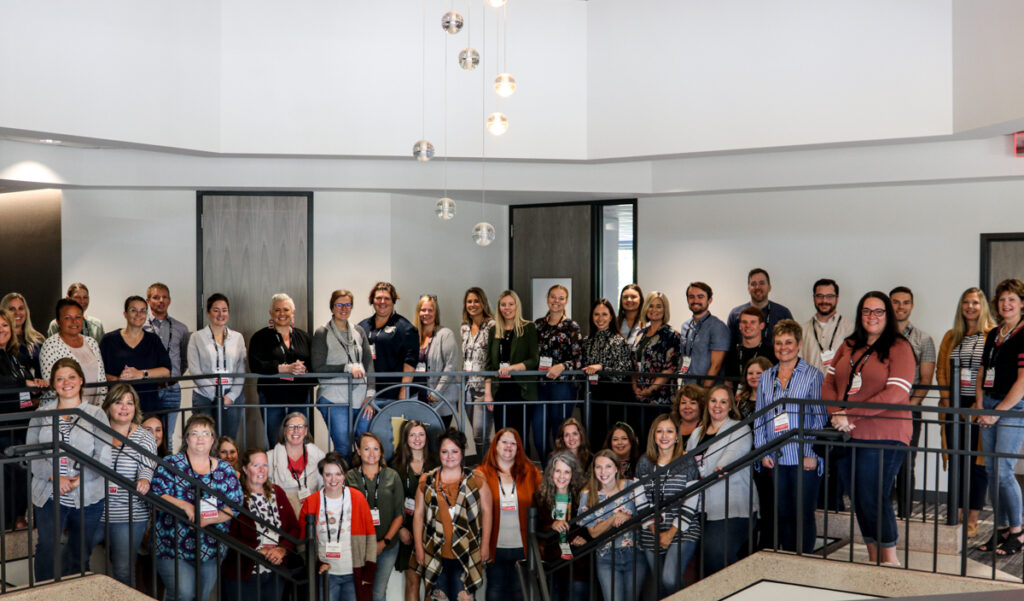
1011 546
999 536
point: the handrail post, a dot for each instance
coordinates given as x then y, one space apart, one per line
58 568
586 402
218 403
531 540
312 559
955 444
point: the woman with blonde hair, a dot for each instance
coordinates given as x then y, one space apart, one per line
561 348
966 340
655 355
512 346
437 352
29 340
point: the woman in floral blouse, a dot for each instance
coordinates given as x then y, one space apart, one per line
560 349
177 560
656 352
605 350
477 321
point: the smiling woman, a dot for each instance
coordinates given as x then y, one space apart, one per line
133 354
68 342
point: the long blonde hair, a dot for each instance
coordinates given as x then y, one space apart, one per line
518 321
31 339
985 321
426 298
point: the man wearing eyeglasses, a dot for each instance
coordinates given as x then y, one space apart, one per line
826 329
902 299
174 336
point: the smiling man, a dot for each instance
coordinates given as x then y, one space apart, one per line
759 284
174 336
703 338
826 329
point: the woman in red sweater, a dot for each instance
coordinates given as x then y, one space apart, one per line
874 365
346 538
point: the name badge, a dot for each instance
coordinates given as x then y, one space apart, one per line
965 376
781 422
990 377
566 550
827 356
224 381
545 363
684 364
375 514
63 460
112 489
25 400
304 492
332 550
288 378
855 384
504 365
373 351
592 378
508 505
647 524
208 509
421 367
410 505
469 366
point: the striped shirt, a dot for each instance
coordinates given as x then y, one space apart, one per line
805 383
130 464
67 464
971 351
669 483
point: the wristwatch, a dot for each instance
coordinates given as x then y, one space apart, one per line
387 541
145 374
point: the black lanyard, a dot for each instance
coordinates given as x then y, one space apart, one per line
993 354
348 353
974 348
305 466
158 324
376 487
856 369
220 352
120 449
194 471
691 335
468 347
502 488
341 519
440 486
814 323
280 342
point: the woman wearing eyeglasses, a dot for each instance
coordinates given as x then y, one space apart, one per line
343 348
293 460
875 364
133 354
178 561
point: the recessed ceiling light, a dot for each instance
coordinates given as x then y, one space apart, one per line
49 141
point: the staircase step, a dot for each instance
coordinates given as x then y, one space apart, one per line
921 537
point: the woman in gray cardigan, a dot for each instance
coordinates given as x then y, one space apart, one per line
342 347
438 352
79 491
727 527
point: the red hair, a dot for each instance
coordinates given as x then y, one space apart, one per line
520 466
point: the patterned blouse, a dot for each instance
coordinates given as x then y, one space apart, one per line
176 538
562 341
655 355
267 511
627 502
474 354
610 350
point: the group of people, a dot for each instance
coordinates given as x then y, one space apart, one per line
445 525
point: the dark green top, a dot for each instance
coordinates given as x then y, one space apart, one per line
526 350
384 493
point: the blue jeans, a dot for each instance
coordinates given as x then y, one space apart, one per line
616 574
502 577
169 398
449 582
673 565
77 522
268 587
1006 436
871 487
123 546
547 418
385 566
783 483
722 542
341 588
184 587
338 418
232 414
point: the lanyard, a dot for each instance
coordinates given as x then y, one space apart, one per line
502 488
348 353
468 349
220 352
691 335
997 345
440 487
831 341
375 332
194 471
280 341
305 475
120 449
970 357
376 487
341 519
158 325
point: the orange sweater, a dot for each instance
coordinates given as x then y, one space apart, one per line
364 540
524 495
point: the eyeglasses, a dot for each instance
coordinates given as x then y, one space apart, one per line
295 427
200 435
342 305
830 297
137 311
876 312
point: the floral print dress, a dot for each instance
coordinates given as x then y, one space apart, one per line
655 355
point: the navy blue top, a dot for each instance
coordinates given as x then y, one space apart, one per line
148 354
395 345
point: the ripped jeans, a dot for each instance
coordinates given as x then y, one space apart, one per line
449 586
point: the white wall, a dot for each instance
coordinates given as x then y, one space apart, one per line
120 241
113 69
986 84
430 256
676 76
